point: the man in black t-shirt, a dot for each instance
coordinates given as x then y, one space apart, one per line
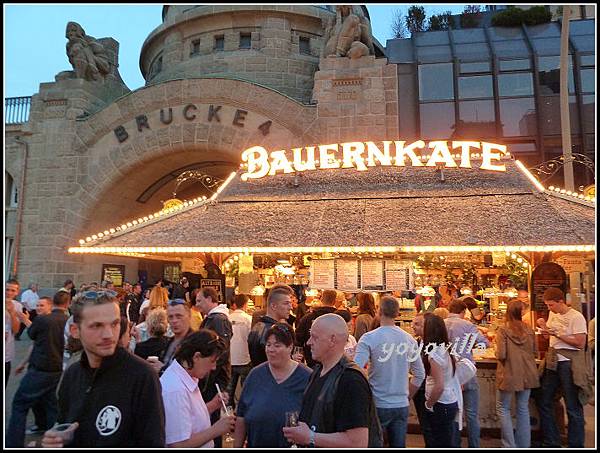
337 408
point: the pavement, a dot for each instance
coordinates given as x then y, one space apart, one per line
412 440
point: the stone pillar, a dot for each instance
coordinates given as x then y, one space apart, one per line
357 99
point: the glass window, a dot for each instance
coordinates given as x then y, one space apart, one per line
515 84
483 66
515 65
475 87
587 80
504 33
437 120
549 30
433 54
436 82
514 148
518 117
589 114
588 60
549 75
515 48
581 27
468 35
219 42
195 47
476 119
550 108
584 43
304 44
547 46
245 41
432 38
473 51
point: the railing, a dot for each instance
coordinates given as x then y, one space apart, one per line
17 110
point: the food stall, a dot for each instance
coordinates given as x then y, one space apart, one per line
361 218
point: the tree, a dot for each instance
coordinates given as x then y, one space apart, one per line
399 25
470 16
415 19
441 21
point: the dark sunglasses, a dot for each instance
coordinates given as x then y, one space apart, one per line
94 295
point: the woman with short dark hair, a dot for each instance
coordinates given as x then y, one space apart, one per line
187 416
271 389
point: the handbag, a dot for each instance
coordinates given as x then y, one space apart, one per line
465 370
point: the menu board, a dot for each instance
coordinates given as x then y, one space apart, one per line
397 275
347 275
372 275
572 264
114 273
544 276
322 274
217 284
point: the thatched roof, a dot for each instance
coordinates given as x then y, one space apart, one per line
384 206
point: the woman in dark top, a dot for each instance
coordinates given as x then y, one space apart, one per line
157 327
366 314
270 390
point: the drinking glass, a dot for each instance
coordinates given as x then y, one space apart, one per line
298 353
291 420
227 411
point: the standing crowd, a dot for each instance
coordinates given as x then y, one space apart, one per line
161 368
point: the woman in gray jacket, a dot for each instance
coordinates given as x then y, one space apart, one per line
516 373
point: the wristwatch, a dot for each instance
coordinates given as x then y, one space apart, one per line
311 440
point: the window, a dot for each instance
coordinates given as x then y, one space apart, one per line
549 74
195 49
476 119
304 44
587 80
155 67
220 42
514 65
8 254
467 68
437 120
521 148
245 41
589 114
516 84
550 111
588 60
436 82
10 191
518 117
475 87
172 273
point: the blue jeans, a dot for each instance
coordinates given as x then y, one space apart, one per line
471 409
441 428
551 381
394 421
36 387
522 437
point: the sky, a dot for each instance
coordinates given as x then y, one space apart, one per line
35 43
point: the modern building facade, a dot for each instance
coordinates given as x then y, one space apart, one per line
91 154
502 83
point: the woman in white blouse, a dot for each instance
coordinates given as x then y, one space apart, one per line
187 416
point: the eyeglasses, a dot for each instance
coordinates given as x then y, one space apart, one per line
174 302
94 295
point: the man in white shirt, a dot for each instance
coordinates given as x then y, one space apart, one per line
241 323
390 353
29 299
13 317
565 369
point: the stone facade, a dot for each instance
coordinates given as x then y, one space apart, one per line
96 162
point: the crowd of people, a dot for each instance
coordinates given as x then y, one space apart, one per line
162 368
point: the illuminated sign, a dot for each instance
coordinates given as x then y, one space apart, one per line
362 155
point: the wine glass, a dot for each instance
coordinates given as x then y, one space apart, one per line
298 354
227 411
291 420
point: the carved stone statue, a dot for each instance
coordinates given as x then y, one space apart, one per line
88 57
350 35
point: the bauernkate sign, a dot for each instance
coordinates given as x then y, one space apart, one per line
362 155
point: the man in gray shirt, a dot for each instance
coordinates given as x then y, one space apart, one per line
391 353
463 332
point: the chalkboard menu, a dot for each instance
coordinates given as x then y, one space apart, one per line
114 273
544 276
372 275
322 274
347 275
217 284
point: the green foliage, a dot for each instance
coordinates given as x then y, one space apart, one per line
415 19
470 16
441 21
515 17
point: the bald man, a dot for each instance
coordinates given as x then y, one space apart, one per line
337 409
